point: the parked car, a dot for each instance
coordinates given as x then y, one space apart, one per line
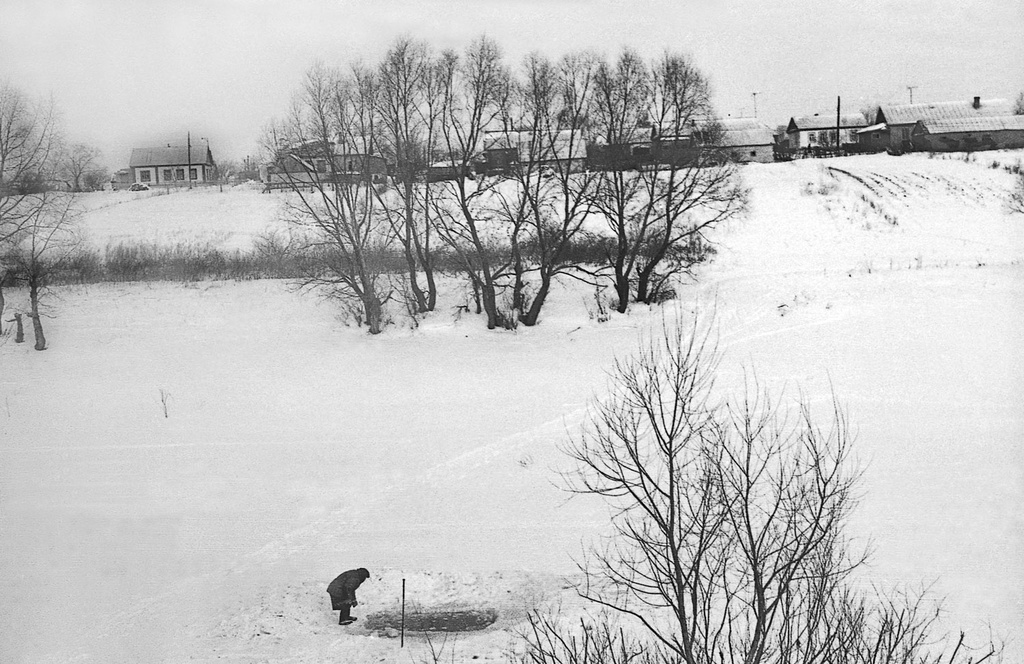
139 186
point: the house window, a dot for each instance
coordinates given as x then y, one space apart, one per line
753 153
167 175
145 176
192 174
179 174
874 135
812 137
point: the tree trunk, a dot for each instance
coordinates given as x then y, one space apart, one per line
642 284
531 316
19 333
519 285
622 291
374 311
423 251
490 305
37 322
476 294
407 244
428 273
2 303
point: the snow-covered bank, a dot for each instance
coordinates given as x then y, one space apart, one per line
187 467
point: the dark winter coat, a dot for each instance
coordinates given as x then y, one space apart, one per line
343 589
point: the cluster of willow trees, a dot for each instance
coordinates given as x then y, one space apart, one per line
430 115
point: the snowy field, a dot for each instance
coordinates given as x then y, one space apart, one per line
188 466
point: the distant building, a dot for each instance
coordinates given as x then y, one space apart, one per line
898 120
748 139
172 165
504 149
819 131
969 134
122 179
873 138
311 164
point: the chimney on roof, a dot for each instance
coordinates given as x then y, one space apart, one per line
977 102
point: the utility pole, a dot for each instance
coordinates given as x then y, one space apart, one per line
839 102
188 172
911 88
754 95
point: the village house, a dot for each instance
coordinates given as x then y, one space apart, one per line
894 123
311 164
169 165
819 131
747 139
873 138
969 134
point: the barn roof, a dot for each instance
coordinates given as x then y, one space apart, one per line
815 122
738 132
895 114
170 156
988 123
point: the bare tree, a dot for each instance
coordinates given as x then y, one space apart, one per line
691 191
622 93
29 144
1018 105
725 514
546 127
667 181
79 161
728 539
326 155
47 241
408 111
474 90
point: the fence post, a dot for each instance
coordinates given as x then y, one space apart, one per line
402 642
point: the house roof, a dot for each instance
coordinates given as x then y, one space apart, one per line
170 156
896 114
738 132
875 127
827 121
987 123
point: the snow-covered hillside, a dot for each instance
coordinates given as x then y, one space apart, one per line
188 466
228 218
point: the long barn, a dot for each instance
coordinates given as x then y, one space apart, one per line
896 122
969 134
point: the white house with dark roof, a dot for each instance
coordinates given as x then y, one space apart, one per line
897 121
811 131
172 165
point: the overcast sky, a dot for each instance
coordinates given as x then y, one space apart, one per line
143 73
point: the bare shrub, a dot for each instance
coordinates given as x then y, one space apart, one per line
728 530
1015 201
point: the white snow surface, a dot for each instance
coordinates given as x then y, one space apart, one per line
187 466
